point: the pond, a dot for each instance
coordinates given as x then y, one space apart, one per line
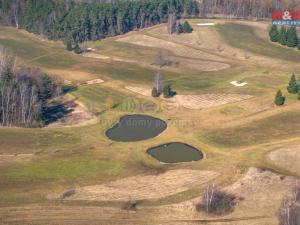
136 127
175 152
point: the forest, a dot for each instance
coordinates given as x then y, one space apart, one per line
78 21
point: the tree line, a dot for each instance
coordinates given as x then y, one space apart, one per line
78 22
81 20
23 93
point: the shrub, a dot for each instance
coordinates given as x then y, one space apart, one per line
77 49
130 205
187 27
179 28
168 92
155 93
215 201
279 98
68 194
69 46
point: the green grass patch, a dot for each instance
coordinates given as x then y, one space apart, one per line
57 61
274 128
19 140
79 167
244 37
23 49
98 99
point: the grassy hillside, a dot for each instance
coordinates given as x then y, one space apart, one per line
233 137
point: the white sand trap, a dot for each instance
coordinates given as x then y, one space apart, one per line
96 81
91 49
145 186
206 24
238 84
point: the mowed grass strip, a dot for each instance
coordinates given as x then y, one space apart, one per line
19 140
55 169
274 128
96 98
244 37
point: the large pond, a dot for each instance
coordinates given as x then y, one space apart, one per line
175 153
136 128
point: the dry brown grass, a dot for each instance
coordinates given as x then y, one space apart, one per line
145 186
196 101
179 50
287 158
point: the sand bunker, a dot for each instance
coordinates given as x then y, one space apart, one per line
196 101
238 84
96 81
145 186
205 24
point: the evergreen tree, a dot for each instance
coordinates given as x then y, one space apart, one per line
187 27
279 99
168 92
274 34
282 36
293 85
46 88
292 37
179 28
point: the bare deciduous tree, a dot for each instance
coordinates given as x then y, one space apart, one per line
22 92
215 201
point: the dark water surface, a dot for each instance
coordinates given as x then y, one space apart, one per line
132 128
175 152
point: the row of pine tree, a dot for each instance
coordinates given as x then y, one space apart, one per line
285 36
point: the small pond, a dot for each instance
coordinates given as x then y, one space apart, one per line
136 128
175 153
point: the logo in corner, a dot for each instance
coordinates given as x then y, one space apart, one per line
286 15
